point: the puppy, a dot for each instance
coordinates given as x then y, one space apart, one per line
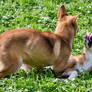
36 48
77 64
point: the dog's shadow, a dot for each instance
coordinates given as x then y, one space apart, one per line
34 73
83 76
44 73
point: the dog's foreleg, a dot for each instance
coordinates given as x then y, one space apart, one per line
73 75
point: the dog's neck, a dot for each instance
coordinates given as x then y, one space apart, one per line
65 33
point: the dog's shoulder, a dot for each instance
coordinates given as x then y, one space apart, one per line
54 41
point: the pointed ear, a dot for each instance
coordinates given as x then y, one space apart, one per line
62 12
75 18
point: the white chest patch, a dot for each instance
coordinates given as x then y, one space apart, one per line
87 63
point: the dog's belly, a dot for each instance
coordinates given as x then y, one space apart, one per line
40 57
39 61
40 53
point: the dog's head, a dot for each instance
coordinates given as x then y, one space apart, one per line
88 40
65 22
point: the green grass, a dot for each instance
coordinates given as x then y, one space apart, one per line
42 15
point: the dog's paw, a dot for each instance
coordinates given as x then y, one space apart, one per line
64 80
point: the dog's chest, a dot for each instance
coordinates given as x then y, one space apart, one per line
87 63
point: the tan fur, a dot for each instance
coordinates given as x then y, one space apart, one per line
73 60
36 48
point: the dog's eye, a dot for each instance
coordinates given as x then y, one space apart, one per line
91 38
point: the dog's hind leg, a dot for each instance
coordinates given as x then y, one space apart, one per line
11 67
4 71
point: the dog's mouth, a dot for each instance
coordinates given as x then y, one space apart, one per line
88 40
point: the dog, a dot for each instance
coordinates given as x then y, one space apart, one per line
37 48
81 63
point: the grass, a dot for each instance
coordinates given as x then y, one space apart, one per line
42 15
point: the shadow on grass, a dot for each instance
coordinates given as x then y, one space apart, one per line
45 73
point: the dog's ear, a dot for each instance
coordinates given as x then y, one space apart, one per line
57 48
75 18
62 12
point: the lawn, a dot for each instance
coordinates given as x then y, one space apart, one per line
42 15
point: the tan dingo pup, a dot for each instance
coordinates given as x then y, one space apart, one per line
36 48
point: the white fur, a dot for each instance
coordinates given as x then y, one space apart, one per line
87 63
73 75
47 67
85 67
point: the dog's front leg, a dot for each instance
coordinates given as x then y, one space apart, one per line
60 67
73 75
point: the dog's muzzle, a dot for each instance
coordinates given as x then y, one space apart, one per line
88 40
